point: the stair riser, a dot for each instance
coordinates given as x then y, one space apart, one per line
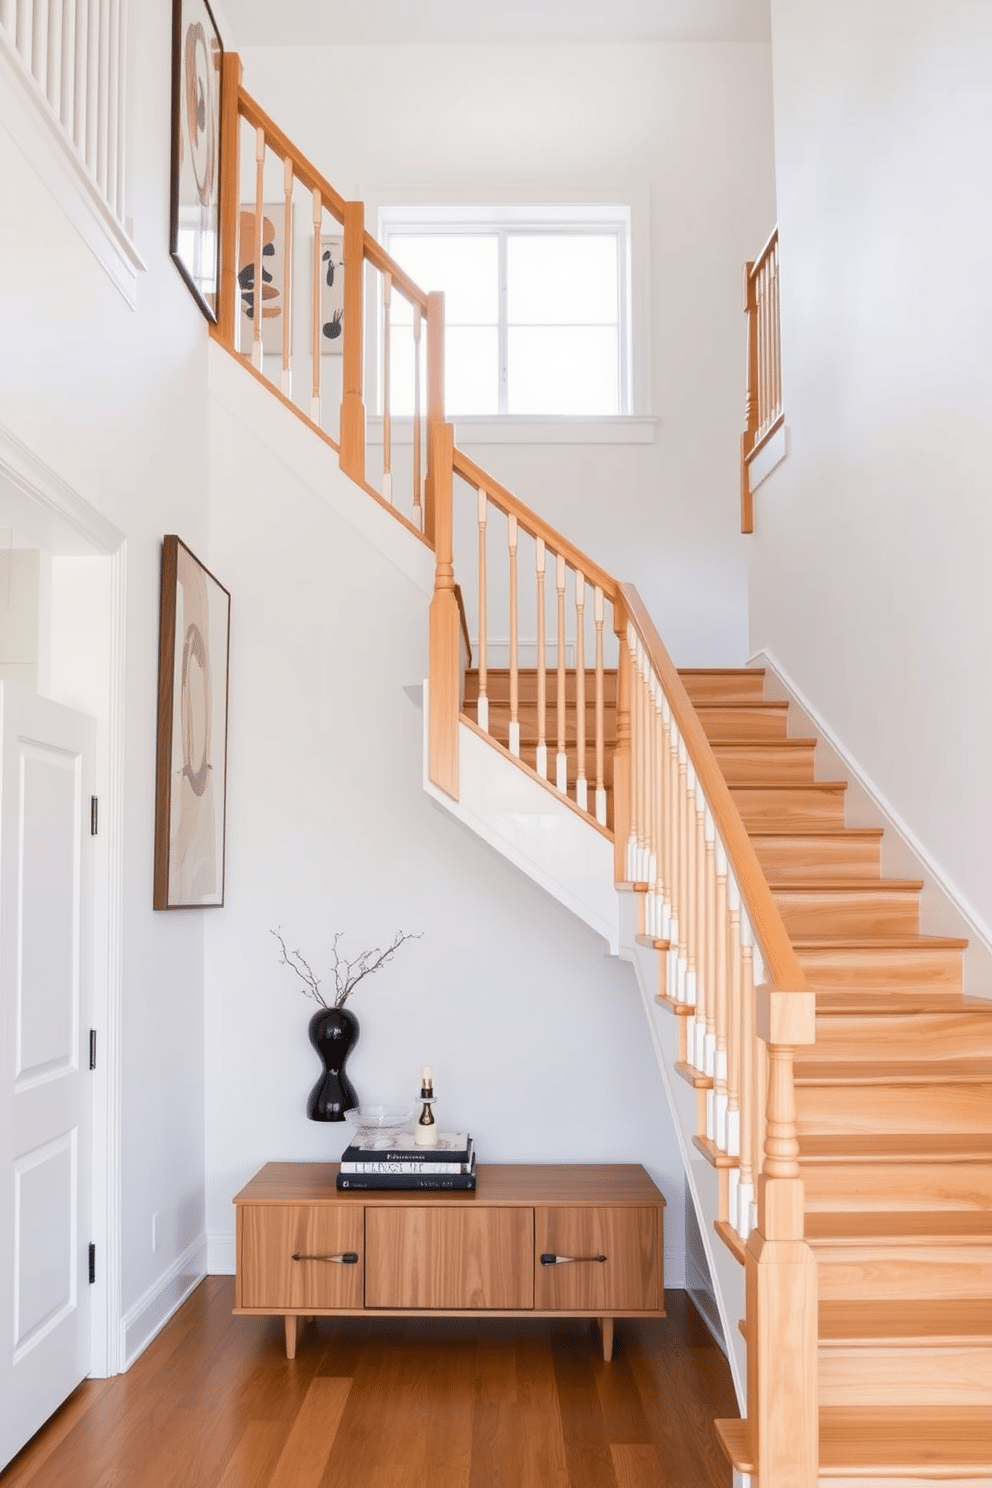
499 717
892 1273
902 1036
723 687
905 1376
744 723
851 914
798 808
498 686
793 858
906 968
835 1110
905 1186
751 763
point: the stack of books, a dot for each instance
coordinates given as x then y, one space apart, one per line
451 1164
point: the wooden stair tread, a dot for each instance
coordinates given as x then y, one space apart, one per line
771 834
882 1440
845 1004
821 787
925 1321
923 1227
731 1239
713 1154
846 886
893 1072
897 1147
693 1076
735 1438
881 942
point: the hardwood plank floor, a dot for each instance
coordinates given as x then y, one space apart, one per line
395 1403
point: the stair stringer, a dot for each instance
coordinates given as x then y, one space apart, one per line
533 829
726 1272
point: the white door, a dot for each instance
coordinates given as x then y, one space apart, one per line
45 1082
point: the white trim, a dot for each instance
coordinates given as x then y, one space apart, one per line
768 457
221 1253
162 1299
33 127
58 500
944 909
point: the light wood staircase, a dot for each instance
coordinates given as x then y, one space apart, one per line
894 1105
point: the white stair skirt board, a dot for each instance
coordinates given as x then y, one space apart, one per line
768 457
542 836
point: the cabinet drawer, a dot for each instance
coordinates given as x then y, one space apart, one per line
450 1258
629 1280
268 1237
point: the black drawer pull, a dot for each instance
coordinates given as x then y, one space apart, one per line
548 1259
346 1258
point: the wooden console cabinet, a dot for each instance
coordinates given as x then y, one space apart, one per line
304 1249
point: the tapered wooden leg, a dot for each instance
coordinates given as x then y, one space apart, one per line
292 1331
606 1330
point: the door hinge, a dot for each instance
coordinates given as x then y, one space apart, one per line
94 815
92 1263
92 1048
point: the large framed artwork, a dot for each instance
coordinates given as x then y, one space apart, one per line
195 221
191 772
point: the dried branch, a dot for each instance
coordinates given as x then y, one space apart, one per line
347 974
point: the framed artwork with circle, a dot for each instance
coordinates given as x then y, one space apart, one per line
197 53
191 769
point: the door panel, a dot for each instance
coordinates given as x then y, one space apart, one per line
45 1084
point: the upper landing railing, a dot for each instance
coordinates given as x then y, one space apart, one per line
609 727
763 414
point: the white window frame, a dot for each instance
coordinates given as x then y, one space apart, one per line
628 219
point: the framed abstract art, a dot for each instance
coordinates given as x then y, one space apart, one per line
191 769
195 216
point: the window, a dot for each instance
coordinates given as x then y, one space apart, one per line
535 309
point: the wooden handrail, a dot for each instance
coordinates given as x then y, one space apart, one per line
380 259
763 912
534 525
282 146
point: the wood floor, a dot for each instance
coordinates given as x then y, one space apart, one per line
392 1403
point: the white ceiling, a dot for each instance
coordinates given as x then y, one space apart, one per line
324 22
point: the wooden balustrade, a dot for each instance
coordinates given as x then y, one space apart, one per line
306 292
73 52
763 414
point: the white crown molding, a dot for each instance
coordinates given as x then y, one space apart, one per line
59 503
25 114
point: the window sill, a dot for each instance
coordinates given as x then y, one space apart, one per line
622 429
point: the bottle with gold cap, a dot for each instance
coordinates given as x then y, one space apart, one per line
425 1130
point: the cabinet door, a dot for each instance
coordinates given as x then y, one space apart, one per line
270 1235
629 1280
450 1258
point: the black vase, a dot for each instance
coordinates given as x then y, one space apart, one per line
333 1033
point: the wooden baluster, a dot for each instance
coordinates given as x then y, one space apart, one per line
257 356
734 1049
542 670
387 423
748 1093
721 997
659 763
418 324
664 816
352 404
709 875
621 752
444 665
598 616
483 711
581 784
697 888
751 400
514 659
682 991
287 275
561 761
230 137
637 765
776 334
317 216
435 394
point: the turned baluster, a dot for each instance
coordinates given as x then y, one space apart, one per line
353 352
542 670
514 659
317 216
749 1085
483 710
709 920
258 284
621 752
418 321
581 784
600 709
720 1063
286 380
683 989
387 418
561 761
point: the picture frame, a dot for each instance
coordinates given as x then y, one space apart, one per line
191 761
197 54
331 294
273 298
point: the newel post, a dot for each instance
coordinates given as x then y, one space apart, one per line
435 397
621 754
782 1382
230 141
751 398
352 406
444 666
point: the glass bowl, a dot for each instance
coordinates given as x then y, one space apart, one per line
380 1126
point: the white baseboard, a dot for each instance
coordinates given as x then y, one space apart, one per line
156 1306
221 1254
944 910
699 1289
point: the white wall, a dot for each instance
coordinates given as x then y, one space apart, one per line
537 1038
112 400
685 131
871 565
